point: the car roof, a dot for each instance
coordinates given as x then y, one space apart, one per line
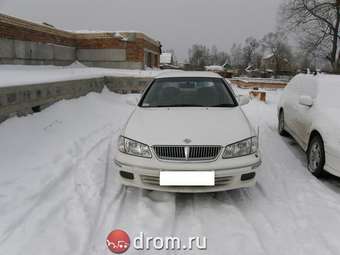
181 74
328 78
321 78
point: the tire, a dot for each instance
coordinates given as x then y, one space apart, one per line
281 125
316 157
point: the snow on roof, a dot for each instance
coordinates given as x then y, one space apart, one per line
320 78
166 58
87 31
113 33
269 55
215 68
328 78
174 74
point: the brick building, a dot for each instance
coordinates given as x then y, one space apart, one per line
24 42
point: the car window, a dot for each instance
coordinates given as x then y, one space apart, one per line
291 86
329 94
188 92
302 85
307 87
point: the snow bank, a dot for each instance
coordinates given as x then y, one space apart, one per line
13 75
52 177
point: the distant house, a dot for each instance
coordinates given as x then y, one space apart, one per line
167 61
269 64
224 70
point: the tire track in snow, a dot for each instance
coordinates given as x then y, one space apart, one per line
268 219
70 164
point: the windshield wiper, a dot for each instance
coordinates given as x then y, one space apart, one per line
223 105
177 105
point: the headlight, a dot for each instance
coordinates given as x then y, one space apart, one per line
134 148
242 148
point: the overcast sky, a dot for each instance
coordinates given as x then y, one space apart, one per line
176 23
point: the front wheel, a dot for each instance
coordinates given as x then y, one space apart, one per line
316 156
281 126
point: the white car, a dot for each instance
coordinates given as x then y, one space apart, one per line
309 110
188 134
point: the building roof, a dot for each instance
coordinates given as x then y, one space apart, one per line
166 58
82 34
180 74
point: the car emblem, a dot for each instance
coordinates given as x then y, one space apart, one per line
186 152
187 141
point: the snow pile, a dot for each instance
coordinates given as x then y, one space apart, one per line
14 75
60 195
53 170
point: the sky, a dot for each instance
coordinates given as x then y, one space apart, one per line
178 24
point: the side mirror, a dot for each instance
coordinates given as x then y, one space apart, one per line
138 97
306 101
133 101
243 100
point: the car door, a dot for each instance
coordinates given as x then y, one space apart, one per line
289 103
303 119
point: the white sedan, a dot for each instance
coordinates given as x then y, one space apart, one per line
309 110
188 134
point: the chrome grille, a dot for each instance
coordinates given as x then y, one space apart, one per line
187 153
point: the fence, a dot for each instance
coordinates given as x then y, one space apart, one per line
22 100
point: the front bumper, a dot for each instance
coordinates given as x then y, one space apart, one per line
146 172
332 160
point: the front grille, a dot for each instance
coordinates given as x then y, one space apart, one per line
151 180
187 153
154 180
223 180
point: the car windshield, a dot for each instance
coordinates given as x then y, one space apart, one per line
188 92
329 95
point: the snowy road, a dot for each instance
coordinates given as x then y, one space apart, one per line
59 195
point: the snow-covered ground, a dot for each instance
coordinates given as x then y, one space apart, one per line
59 194
13 75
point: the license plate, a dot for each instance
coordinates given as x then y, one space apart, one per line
187 178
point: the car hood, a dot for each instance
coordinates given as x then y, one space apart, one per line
203 126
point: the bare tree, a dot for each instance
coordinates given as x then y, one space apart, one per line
276 44
218 57
304 60
250 51
237 56
318 23
201 55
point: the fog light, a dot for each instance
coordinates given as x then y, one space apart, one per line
127 175
249 176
